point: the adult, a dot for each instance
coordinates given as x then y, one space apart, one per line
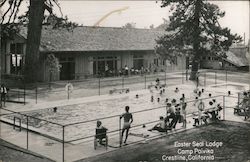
3 94
128 119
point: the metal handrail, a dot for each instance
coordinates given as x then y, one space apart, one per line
31 116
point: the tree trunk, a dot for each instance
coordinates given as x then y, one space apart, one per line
36 14
196 40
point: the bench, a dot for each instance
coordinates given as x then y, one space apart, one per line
120 90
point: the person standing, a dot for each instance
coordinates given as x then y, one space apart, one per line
197 79
3 94
106 70
128 119
184 114
126 70
201 107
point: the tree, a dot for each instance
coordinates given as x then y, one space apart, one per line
129 25
194 29
53 66
36 17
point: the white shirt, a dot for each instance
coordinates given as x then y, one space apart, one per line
3 90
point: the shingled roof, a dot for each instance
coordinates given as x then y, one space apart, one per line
237 56
87 38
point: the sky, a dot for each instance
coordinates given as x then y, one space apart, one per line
145 13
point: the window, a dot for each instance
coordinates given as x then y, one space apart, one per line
16 58
156 62
137 56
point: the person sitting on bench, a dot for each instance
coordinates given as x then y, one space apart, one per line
161 126
101 132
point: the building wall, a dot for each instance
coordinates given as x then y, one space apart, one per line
84 62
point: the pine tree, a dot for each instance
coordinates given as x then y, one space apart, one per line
194 29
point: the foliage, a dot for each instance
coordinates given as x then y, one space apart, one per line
12 25
129 25
194 29
34 19
52 63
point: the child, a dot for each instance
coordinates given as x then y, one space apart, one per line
100 127
183 114
161 126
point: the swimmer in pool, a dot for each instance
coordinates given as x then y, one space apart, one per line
128 119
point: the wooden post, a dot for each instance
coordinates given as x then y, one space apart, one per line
27 132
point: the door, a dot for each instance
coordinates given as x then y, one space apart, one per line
67 71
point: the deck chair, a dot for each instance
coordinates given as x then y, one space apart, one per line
101 134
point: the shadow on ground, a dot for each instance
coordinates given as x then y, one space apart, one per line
234 136
13 153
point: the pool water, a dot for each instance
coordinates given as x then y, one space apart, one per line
99 109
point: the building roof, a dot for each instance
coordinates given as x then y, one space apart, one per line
97 39
237 56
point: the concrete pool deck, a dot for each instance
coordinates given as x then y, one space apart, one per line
53 149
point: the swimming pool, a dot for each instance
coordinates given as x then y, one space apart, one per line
111 107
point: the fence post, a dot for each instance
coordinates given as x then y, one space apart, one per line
165 77
99 86
18 95
224 108
63 144
205 79
36 94
238 99
145 81
27 132
215 77
226 77
186 74
182 77
122 81
68 92
120 135
24 94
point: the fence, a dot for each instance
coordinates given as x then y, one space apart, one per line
94 86
32 125
98 86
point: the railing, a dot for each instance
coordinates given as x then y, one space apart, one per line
98 86
27 122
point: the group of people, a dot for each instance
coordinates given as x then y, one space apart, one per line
245 104
175 113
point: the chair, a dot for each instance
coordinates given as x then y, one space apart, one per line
101 134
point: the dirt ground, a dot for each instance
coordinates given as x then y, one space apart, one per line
12 153
235 139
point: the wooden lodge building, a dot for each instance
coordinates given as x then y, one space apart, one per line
236 59
89 51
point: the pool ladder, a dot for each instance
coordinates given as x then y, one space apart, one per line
18 125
